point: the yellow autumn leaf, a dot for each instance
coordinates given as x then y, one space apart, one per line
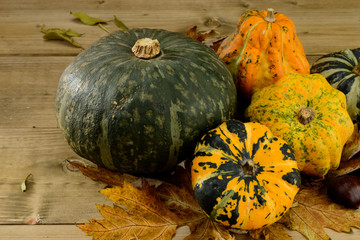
141 215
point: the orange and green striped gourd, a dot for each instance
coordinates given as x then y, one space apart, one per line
310 115
262 49
243 176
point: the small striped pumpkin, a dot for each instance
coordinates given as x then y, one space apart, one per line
137 101
309 115
342 70
263 48
243 176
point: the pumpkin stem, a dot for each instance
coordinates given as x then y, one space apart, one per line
248 168
146 48
356 69
306 115
270 17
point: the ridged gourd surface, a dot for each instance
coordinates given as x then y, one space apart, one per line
243 176
259 52
337 68
317 145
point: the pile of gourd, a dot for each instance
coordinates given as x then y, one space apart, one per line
142 100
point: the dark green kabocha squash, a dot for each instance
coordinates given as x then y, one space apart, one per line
137 101
342 70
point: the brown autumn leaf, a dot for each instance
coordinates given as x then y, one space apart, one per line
275 231
181 201
200 36
142 215
111 178
314 211
346 167
206 37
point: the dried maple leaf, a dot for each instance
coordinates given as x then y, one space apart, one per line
181 201
143 215
273 232
314 211
111 178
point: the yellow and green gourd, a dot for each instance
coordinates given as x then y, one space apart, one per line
310 115
243 176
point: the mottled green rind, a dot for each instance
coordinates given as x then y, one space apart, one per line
142 116
337 69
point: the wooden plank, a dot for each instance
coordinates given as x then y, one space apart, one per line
27 90
322 26
54 193
66 232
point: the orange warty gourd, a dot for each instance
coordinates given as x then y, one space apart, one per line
263 48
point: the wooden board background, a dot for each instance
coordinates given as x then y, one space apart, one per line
30 67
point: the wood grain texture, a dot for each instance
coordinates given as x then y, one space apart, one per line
322 26
66 232
30 67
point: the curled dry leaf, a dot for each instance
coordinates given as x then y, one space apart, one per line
86 19
61 34
200 36
346 167
120 24
352 146
206 37
24 182
315 211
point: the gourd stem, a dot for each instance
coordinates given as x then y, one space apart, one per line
306 115
270 17
248 168
146 48
356 69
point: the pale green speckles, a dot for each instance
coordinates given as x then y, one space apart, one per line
104 146
136 116
160 121
175 129
149 130
145 97
149 114
155 75
222 204
196 66
170 70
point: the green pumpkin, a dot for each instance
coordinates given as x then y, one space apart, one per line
125 110
342 71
